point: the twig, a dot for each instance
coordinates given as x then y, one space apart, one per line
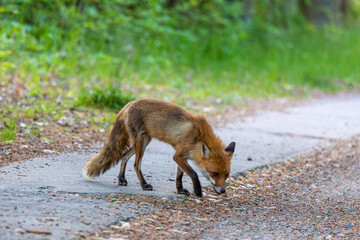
38 231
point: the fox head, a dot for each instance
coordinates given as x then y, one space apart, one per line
215 165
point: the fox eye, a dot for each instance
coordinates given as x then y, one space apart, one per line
215 174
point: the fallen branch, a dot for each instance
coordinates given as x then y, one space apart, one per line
37 231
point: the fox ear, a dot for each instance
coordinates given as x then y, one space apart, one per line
231 148
205 151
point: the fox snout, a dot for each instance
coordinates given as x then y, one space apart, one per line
219 190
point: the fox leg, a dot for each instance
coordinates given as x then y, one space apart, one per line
139 147
182 163
179 186
128 154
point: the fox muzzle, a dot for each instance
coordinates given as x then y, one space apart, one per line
218 189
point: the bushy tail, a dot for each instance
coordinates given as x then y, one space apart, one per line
116 144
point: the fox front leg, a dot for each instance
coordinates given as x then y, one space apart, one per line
179 186
182 163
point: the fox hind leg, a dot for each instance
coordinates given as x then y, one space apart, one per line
179 186
139 147
129 153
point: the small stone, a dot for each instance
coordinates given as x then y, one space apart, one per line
349 225
264 228
249 159
48 151
20 230
86 222
125 225
39 123
292 160
167 200
258 237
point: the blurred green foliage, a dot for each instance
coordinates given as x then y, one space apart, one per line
219 47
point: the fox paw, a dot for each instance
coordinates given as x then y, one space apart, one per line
147 187
198 193
183 191
123 182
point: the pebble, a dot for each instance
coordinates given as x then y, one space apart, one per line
349 225
125 225
167 200
20 230
264 228
258 237
48 151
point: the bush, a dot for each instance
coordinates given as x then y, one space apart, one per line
108 97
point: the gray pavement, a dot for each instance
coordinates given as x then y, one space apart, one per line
33 192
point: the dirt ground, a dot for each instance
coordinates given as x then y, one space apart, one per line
316 196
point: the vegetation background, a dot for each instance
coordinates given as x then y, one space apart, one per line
62 54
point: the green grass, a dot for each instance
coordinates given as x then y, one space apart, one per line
8 133
107 97
226 65
107 55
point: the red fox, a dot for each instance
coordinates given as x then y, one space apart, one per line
191 136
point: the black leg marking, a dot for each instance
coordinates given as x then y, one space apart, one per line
144 185
197 186
179 186
121 178
182 163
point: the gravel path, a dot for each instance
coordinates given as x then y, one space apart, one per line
316 196
313 196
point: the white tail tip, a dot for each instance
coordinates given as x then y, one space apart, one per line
86 175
